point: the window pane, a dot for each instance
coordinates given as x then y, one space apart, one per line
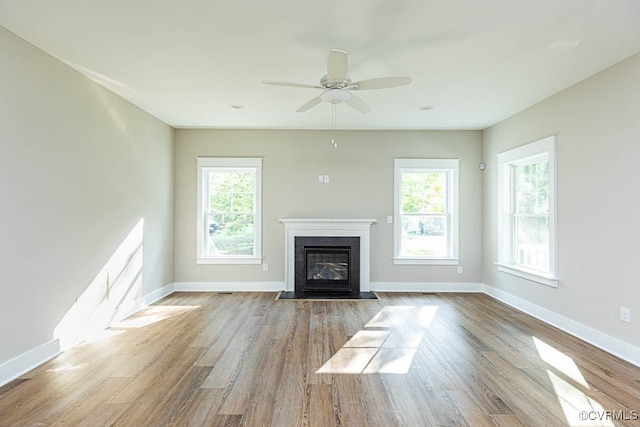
231 234
532 187
532 241
424 192
531 224
424 235
231 208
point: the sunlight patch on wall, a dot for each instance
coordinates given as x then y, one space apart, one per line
389 348
114 293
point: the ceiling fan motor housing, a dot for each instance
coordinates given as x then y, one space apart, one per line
334 84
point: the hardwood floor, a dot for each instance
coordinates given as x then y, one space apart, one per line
206 359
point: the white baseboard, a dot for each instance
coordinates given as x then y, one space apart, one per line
23 363
375 286
138 304
158 294
426 287
35 357
228 286
605 342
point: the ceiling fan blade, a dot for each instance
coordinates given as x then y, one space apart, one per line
277 83
381 83
337 65
358 104
309 105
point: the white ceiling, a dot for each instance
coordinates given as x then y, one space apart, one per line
187 62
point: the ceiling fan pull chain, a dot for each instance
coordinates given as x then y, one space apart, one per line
333 126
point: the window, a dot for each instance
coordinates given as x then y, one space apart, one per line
229 210
426 211
527 228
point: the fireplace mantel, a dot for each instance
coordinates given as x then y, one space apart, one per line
310 227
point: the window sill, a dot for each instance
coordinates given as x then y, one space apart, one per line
426 261
531 275
229 260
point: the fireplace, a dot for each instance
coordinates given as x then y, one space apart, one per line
329 228
327 263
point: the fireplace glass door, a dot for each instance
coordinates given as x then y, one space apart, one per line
327 268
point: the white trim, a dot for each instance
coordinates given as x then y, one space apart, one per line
462 287
530 149
531 275
23 363
228 286
426 261
158 294
420 164
129 309
35 357
506 203
229 260
232 162
310 227
39 355
603 341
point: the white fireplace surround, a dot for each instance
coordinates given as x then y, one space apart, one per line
307 227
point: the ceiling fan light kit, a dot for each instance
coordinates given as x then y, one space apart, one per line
335 96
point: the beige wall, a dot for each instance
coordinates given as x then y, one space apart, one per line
598 152
361 186
79 168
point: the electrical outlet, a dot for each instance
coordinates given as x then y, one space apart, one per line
625 314
326 179
320 179
265 267
460 270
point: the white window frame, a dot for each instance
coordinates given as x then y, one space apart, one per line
507 160
451 166
204 164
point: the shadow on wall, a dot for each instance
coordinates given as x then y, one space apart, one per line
114 294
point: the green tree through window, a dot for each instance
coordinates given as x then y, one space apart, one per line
231 207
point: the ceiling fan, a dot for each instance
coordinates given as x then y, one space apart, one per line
337 86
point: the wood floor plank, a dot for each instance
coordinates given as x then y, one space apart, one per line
321 411
291 404
266 383
409 400
318 347
299 344
203 408
407 359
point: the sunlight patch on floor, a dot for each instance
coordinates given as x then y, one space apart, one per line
560 361
153 314
579 409
576 404
68 368
395 316
388 347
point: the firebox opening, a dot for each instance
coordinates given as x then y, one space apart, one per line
329 264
